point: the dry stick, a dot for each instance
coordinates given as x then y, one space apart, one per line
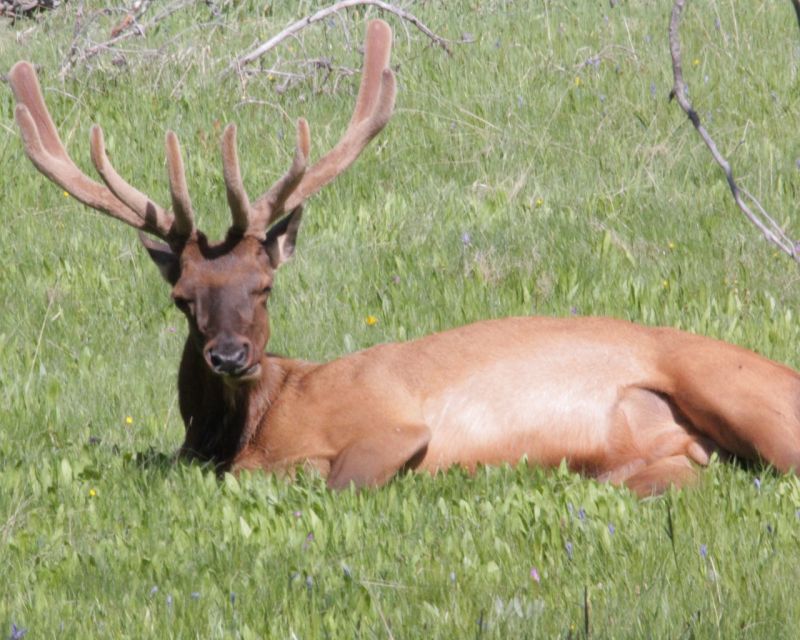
292 29
90 52
763 221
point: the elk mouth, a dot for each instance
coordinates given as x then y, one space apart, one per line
251 373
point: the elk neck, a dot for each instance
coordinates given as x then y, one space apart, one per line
221 416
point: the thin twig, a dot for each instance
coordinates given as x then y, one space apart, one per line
298 26
77 55
765 223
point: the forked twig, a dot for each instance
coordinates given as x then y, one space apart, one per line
301 24
769 228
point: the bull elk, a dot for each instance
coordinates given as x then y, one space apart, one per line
618 401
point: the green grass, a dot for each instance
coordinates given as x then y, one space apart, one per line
582 190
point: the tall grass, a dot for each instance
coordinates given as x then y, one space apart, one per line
540 169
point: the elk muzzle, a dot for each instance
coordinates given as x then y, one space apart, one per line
230 355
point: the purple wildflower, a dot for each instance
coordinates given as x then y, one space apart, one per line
169 601
195 595
297 514
703 551
17 633
535 575
466 239
154 590
581 514
568 549
611 528
309 540
757 483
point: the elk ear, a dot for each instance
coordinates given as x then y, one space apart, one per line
167 261
282 237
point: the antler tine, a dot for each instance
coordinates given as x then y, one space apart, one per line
271 205
47 153
377 51
156 219
373 109
181 203
234 187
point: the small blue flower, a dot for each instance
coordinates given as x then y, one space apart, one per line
703 551
154 590
581 514
466 239
757 483
195 595
169 601
233 597
653 89
568 548
611 528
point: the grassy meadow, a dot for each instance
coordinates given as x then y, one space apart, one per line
539 169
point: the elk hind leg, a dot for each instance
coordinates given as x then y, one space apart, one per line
749 405
652 445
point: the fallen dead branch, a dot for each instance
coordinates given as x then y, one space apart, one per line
301 24
765 223
25 8
128 28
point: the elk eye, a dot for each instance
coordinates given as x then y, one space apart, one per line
266 291
182 303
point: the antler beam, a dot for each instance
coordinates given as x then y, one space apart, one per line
117 198
374 107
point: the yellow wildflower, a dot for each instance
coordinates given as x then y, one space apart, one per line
66 194
92 493
370 320
129 420
696 62
539 202
671 245
578 81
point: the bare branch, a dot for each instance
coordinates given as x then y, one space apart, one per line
298 26
765 223
134 28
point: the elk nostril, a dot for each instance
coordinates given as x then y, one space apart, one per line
214 359
242 355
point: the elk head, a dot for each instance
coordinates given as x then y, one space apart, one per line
222 287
